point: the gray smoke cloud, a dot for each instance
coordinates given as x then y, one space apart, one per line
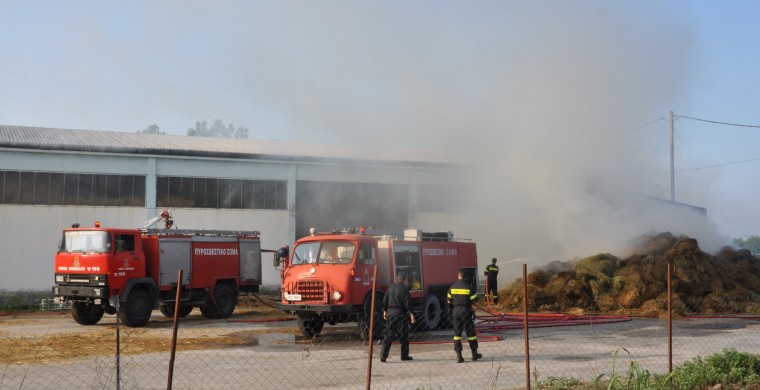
537 96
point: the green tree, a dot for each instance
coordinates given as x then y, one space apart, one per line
152 129
217 129
751 243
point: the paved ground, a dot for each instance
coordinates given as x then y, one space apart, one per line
270 355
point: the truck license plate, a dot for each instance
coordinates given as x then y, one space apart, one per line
292 297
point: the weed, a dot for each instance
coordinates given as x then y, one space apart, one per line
558 383
636 378
726 368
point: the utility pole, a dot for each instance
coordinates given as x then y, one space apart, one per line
672 164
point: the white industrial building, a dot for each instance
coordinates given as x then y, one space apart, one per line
52 178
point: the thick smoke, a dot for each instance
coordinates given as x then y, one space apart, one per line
539 97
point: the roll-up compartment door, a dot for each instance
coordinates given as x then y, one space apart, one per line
250 261
176 254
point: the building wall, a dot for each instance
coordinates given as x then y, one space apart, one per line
32 232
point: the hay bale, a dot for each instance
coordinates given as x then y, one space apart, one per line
652 243
539 278
726 283
603 264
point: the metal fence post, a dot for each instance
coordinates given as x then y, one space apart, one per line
174 331
525 320
371 329
670 323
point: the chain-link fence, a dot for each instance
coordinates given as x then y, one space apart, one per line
260 347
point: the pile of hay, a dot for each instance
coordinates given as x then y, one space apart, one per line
728 282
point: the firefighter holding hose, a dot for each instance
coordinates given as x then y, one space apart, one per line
460 297
492 271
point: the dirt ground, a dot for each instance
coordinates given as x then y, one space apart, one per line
48 337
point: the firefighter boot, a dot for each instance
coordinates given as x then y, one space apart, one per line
476 355
460 359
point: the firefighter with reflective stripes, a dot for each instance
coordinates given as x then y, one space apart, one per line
492 271
460 297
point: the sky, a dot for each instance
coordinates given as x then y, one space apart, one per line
564 104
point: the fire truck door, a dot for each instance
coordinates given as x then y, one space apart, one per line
365 268
126 256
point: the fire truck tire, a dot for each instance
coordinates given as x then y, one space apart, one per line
223 304
86 313
167 310
431 316
310 326
135 312
364 319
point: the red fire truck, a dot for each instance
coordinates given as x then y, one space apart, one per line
132 271
328 276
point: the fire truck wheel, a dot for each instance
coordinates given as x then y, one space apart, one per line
136 310
223 303
310 326
86 313
167 310
431 318
379 328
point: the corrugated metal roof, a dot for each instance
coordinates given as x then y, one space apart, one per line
42 138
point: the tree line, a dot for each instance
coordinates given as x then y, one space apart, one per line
202 129
751 243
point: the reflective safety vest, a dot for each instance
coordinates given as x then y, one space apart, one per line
461 294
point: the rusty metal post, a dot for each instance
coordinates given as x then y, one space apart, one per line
525 320
174 330
118 347
488 295
371 329
670 322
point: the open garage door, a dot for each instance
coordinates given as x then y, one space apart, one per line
334 205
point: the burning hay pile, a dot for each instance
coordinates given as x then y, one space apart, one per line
728 282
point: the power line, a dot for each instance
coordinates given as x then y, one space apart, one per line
646 124
693 169
719 165
718 122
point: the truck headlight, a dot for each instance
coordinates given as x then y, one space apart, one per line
337 296
59 278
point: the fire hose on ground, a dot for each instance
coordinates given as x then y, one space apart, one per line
495 321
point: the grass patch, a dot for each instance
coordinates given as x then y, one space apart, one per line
728 370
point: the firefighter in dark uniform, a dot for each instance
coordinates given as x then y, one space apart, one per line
460 297
492 271
396 308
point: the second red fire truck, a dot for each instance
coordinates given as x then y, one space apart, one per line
104 270
327 277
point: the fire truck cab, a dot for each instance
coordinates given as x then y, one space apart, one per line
328 277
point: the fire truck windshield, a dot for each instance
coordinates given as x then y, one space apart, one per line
86 241
326 252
